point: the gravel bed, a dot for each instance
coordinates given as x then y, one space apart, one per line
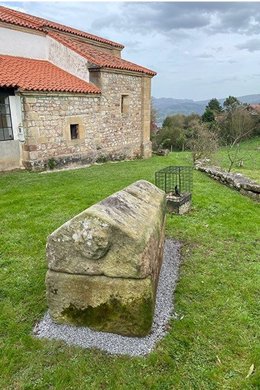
122 345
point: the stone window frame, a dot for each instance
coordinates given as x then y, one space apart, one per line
74 120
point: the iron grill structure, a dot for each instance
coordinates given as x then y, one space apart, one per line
6 131
168 178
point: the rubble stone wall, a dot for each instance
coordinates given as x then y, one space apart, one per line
124 127
106 132
234 180
47 119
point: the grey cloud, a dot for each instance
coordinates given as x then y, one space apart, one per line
227 61
189 40
205 56
132 44
154 17
217 49
147 17
250 45
227 79
172 16
242 18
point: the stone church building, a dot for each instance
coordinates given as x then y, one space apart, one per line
67 96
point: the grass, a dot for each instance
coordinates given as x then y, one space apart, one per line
217 297
250 153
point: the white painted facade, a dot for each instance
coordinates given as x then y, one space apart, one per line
18 43
22 44
67 59
11 151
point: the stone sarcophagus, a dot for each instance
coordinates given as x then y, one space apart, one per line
104 264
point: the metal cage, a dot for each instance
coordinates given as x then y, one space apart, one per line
175 178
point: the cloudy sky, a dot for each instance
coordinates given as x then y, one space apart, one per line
200 50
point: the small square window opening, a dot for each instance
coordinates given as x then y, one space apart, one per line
74 131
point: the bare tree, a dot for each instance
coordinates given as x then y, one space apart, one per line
237 125
203 142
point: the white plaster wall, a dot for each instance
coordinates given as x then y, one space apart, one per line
10 152
67 59
22 44
18 43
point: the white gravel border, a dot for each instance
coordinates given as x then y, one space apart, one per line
122 345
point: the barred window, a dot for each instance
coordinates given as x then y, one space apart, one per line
6 131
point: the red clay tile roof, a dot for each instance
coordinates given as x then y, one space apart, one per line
39 75
255 107
98 57
25 20
10 16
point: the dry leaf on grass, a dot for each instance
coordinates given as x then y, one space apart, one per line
218 360
251 370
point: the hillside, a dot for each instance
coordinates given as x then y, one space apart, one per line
171 106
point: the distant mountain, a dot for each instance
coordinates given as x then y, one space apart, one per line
171 106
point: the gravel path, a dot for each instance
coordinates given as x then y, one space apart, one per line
122 345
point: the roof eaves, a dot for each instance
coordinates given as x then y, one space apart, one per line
35 22
26 74
56 26
71 46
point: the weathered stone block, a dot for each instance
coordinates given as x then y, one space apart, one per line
251 186
105 262
179 204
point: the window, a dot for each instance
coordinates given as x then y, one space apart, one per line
6 131
124 104
74 131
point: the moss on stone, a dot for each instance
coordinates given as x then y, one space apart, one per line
133 319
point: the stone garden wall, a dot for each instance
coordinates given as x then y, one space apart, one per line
234 180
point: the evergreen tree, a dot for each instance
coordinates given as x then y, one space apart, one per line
214 105
208 116
231 103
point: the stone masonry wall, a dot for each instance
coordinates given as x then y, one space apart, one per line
234 180
146 116
104 131
47 119
121 130
136 121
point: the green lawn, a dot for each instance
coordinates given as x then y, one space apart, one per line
211 347
250 153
